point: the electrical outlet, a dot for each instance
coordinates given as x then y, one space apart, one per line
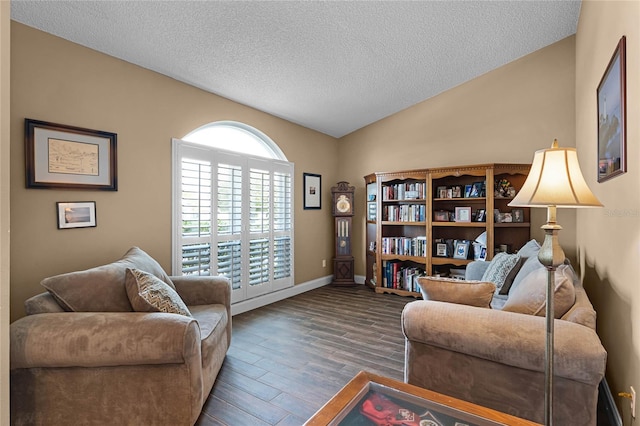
633 402
324 263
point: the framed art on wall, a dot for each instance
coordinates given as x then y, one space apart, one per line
612 132
76 214
312 184
67 157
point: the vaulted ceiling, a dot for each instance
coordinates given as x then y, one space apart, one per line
332 66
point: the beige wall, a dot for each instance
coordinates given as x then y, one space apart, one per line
608 239
61 82
5 36
502 116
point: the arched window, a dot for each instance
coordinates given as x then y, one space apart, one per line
237 137
233 208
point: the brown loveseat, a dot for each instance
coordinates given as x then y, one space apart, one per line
82 355
494 355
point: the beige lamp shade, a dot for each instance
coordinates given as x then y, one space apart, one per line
555 179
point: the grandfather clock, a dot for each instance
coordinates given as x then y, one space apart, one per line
342 202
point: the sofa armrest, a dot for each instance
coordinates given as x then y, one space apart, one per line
99 339
506 337
475 270
205 290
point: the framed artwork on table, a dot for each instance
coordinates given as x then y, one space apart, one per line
67 157
612 104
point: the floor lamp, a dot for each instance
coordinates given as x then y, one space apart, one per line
555 180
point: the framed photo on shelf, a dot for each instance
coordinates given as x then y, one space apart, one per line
441 192
463 214
483 253
481 215
312 190
441 249
612 131
461 250
67 157
441 216
76 214
517 215
456 191
467 191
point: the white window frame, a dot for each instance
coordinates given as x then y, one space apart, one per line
195 151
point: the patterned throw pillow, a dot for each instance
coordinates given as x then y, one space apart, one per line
147 293
472 293
499 269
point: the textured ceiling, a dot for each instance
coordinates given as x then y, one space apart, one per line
332 66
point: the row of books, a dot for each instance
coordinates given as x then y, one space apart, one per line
405 213
405 191
405 246
395 276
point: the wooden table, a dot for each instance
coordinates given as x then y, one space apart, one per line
347 402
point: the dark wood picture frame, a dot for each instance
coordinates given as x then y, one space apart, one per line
67 157
612 119
312 191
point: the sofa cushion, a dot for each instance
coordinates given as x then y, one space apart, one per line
148 293
499 268
511 276
530 265
530 295
530 249
102 289
472 293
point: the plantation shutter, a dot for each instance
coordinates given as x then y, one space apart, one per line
239 205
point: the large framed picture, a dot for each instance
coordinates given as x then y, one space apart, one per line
76 214
59 156
612 132
312 191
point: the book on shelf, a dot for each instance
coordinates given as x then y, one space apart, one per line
400 277
405 246
404 191
405 213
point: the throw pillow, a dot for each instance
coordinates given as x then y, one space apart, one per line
511 276
472 293
499 269
101 289
530 297
530 249
147 293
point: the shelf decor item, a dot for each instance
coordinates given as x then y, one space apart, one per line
463 214
612 105
555 180
67 157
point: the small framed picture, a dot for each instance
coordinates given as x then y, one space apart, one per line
441 192
481 215
77 214
517 215
456 191
312 189
467 191
441 249
463 214
441 216
461 250
483 253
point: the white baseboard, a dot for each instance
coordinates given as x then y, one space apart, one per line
257 302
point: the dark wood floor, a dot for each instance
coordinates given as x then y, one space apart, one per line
289 358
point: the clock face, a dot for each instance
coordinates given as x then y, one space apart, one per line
343 204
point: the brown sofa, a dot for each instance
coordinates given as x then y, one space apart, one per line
82 355
494 356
